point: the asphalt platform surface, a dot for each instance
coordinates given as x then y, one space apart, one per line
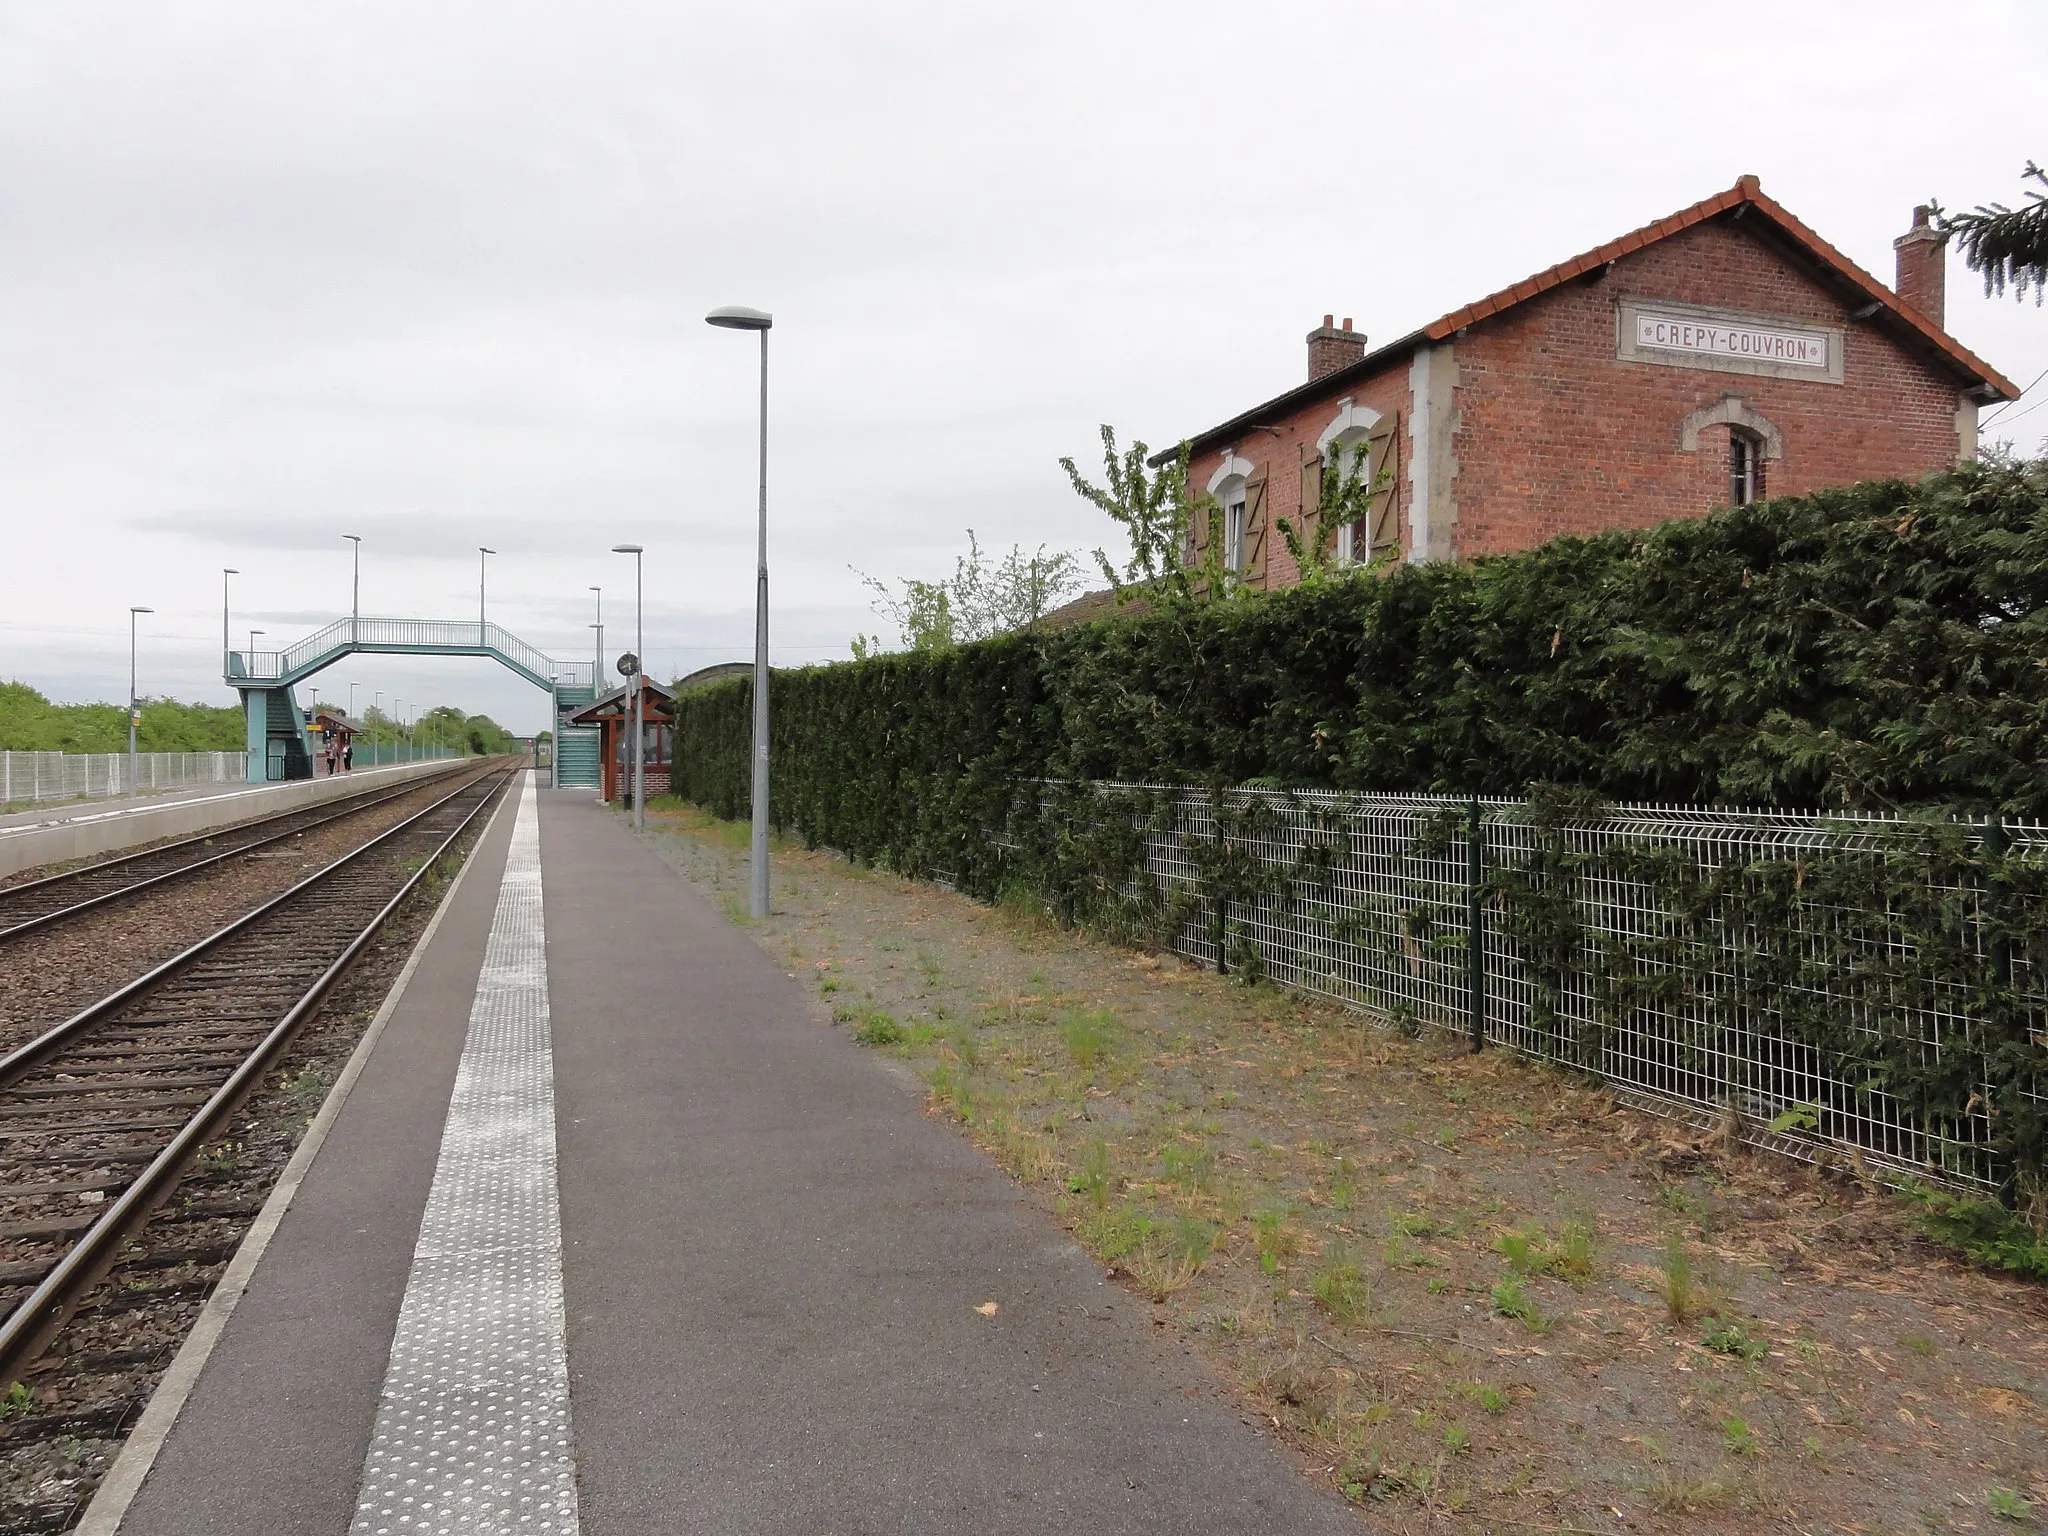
772 1264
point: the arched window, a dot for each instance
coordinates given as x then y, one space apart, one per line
1745 467
1753 441
1230 488
1352 444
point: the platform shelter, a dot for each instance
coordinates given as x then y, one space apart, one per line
611 716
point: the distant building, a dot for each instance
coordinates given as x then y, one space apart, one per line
1716 356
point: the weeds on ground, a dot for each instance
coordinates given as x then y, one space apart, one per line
1981 1230
1093 1179
1731 1338
17 1404
1675 1280
1275 1241
2006 1504
880 1028
1340 1285
1510 1298
1490 1399
1087 1036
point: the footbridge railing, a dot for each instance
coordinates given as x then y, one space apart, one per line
411 637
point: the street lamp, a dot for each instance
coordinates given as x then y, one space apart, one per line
252 648
355 589
639 693
737 317
352 702
597 672
226 649
132 711
480 553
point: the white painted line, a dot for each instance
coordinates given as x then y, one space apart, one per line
472 1434
123 1481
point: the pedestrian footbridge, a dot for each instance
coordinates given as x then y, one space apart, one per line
278 745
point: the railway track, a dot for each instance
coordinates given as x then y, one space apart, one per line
101 1116
34 905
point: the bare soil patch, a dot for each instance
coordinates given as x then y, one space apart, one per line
1473 1292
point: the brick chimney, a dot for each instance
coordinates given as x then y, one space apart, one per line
1922 281
1330 348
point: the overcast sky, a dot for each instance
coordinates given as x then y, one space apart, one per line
435 274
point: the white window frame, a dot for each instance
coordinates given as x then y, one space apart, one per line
1352 425
1229 488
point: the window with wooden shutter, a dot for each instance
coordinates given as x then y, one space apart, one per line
1383 463
1252 563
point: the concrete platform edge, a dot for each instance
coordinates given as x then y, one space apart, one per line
125 1478
111 831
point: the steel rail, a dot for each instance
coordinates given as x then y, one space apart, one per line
368 799
37 1318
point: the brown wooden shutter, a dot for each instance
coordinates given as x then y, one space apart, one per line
1255 529
1306 528
1383 463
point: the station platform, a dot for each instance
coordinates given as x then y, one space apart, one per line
610 1236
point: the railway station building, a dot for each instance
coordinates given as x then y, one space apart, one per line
1715 357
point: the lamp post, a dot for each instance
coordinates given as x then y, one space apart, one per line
480 553
352 701
355 587
597 672
736 317
226 649
132 612
639 693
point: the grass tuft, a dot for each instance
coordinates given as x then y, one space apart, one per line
1340 1285
1087 1036
879 1028
1675 1280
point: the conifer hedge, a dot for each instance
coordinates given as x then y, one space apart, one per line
1880 647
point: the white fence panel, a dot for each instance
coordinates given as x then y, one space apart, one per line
35 778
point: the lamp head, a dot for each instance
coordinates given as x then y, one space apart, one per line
229 570
356 536
482 551
142 610
626 549
737 317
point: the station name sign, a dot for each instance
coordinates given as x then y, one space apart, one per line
1735 341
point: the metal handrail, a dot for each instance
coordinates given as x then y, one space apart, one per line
458 636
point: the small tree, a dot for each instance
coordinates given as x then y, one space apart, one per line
983 598
1348 494
1161 519
2008 245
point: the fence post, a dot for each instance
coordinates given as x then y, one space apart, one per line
1994 904
1475 920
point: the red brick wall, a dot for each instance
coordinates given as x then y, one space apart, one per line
1280 455
1557 435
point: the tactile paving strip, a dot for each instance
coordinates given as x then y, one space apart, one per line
472 1433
